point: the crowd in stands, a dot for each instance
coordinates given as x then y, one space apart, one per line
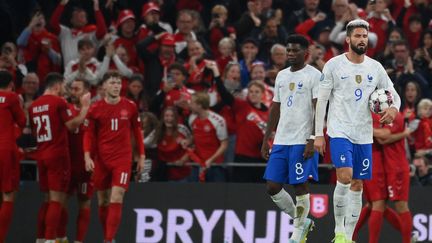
202 72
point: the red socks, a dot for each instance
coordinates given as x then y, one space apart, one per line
103 213
375 224
406 227
82 224
41 221
113 220
61 230
5 218
364 215
52 220
393 218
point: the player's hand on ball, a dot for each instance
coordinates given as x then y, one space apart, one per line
265 150
309 149
320 144
89 164
388 115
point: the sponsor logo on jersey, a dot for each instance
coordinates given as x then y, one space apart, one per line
358 79
342 158
300 85
124 114
291 86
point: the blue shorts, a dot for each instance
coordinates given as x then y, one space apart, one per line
286 165
357 156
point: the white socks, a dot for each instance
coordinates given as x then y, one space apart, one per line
340 205
353 212
302 211
284 201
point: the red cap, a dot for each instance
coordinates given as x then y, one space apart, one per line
125 15
167 40
148 7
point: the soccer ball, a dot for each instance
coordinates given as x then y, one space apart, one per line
379 100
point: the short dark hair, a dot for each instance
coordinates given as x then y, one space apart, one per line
298 39
86 84
178 66
110 74
52 79
5 79
400 43
85 42
137 76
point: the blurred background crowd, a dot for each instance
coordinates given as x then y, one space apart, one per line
227 53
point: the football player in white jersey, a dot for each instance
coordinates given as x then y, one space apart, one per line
292 159
347 82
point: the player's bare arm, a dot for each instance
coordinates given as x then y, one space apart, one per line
271 125
392 138
78 120
389 115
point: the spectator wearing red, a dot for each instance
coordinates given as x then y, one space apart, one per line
423 134
41 49
127 38
252 114
210 136
156 61
174 92
413 31
152 25
227 50
69 37
306 20
117 59
8 62
199 78
218 29
85 67
258 74
172 138
380 21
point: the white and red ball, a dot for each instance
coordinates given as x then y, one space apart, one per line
379 100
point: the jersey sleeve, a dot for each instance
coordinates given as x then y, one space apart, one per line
326 80
315 84
276 96
17 112
64 111
221 130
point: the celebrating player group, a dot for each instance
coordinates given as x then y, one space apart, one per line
82 147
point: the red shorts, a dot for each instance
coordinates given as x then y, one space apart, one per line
82 184
375 189
9 171
54 174
113 174
398 184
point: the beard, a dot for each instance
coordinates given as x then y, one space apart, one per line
358 50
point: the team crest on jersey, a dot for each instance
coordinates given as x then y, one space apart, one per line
291 86
358 79
124 114
342 158
370 78
207 128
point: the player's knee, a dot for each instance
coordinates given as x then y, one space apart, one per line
356 185
84 203
344 177
273 188
8 196
117 196
301 189
378 205
401 206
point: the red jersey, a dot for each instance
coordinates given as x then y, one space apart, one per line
170 150
394 154
423 135
250 133
377 149
76 143
48 115
379 27
208 134
110 126
129 45
11 113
